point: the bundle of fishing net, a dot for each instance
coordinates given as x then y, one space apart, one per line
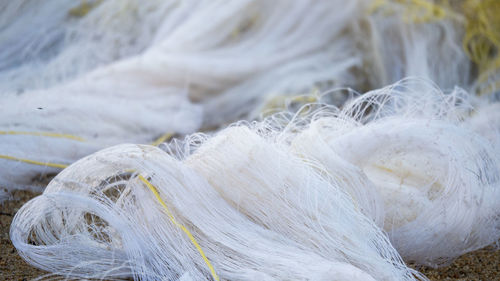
453 43
195 64
259 214
46 42
66 122
280 192
315 188
437 177
53 129
204 45
415 38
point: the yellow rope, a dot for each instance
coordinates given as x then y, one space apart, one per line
415 11
183 228
29 161
83 9
482 35
43 134
280 102
482 39
162 139
422 11
157 142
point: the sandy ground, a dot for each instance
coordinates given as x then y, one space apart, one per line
481 265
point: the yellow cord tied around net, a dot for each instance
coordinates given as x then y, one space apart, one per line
482 39
43 134
284 101
414 11
39 134
163 138
182 227
84 8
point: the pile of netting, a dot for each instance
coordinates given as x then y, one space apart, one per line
79 77
318 183
308 196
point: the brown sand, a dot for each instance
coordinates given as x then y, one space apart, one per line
481 265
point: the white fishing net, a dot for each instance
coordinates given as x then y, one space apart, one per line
327 183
